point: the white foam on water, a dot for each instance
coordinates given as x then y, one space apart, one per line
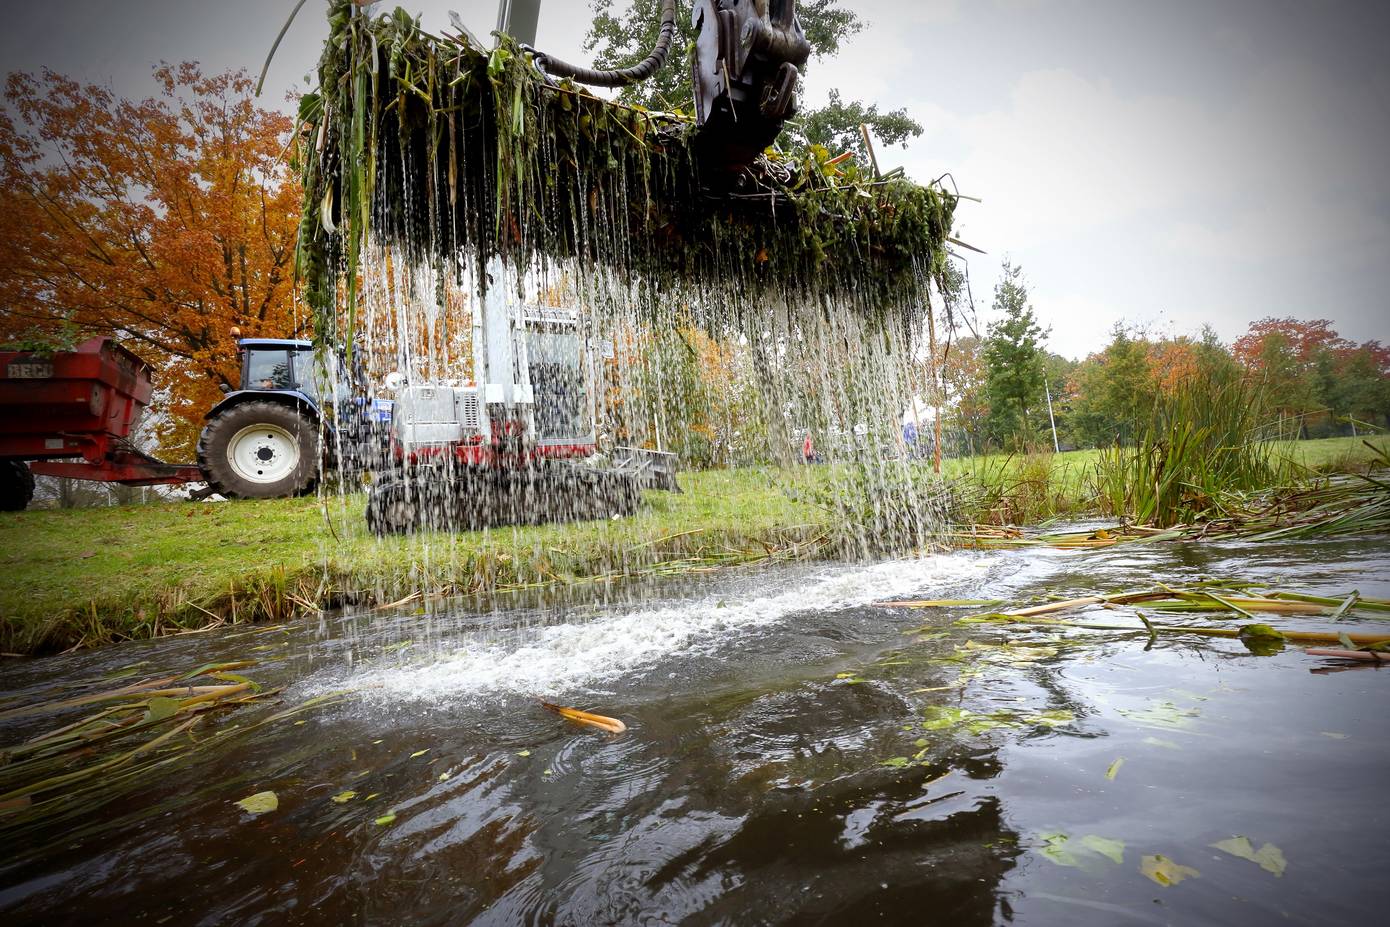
555 658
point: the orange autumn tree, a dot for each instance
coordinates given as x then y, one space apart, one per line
164 222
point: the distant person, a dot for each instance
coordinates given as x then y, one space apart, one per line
808 450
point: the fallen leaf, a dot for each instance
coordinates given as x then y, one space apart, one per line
1055 847
1166 872
523 753
160 708
1113 850
602 722
1268 857
1114 769
259 803
419 753
387 819
343 798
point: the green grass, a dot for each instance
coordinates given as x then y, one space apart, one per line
1330 455
87 576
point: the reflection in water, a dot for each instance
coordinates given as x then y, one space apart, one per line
792 756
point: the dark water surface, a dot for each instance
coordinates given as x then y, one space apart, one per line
792 756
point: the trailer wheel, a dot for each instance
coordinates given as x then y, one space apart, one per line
16 486
260 450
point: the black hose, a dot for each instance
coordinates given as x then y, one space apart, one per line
624 76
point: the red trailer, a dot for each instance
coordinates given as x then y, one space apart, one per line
72 413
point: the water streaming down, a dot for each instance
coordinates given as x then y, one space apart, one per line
724 323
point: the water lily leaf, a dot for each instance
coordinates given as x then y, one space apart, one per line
386 819
939 718
1166 872
1164 715
1082 852
1268 857
342 798
160 708
1056 718
1114 769
1113 850
259 803
1055 848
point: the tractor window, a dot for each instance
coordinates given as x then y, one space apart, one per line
267 368
319 383
557 381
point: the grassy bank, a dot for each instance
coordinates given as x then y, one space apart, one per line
90 576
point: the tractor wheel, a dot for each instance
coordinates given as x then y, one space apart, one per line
260 450
16 486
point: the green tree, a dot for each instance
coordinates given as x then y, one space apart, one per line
1059 373
1116 390
1014 364
623 33
963 382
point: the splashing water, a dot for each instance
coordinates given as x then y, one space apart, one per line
552 659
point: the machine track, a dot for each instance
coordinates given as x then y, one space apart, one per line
468 499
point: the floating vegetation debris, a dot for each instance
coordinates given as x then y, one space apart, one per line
587 718
1205 597
1164 871
1268 857
133 738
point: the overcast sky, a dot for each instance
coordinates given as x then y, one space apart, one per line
1167 163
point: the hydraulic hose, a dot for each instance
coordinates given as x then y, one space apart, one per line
623 76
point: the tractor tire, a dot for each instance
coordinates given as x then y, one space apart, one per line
16 486
260 450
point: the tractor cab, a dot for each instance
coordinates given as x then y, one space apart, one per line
292 417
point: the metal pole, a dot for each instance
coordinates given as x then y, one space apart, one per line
518 18
1057 448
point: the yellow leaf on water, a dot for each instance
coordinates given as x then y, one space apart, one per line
1113 850
1164 871
387 819
343 798
1268 857
602 722
1114 769
259 803
419 753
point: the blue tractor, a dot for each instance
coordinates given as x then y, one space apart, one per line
293 419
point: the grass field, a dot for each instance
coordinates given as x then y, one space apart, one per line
87 576
84 576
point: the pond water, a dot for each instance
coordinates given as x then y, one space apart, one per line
794 753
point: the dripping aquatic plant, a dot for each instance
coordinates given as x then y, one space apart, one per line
453 153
